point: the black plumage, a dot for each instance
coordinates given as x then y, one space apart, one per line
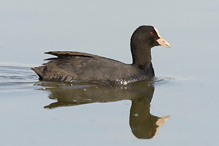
77 67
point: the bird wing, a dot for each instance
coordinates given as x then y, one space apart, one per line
71 53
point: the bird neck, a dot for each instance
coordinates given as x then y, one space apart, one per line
141 56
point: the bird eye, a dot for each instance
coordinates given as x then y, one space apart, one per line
151 33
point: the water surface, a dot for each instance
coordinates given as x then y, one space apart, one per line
180 107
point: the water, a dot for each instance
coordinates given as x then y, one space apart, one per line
182 101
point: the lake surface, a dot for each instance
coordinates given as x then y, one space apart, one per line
179 107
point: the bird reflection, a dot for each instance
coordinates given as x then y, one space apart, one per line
143 124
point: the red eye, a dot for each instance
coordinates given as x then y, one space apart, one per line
151 33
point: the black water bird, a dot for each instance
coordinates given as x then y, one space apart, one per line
77 67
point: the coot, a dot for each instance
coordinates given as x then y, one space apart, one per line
77 67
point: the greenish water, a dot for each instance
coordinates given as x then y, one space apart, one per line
179 107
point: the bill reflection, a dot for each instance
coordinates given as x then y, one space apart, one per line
143 124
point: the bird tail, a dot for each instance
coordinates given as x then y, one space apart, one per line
38 71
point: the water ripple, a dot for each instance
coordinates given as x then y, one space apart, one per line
13 77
